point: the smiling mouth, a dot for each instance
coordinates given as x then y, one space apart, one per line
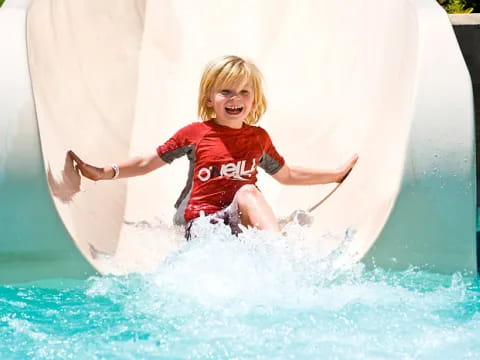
234 110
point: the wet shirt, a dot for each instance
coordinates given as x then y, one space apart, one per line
222 160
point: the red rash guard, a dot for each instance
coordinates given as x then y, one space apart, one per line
222 160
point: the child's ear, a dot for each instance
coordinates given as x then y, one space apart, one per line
209 103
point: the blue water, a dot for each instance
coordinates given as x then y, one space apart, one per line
257 297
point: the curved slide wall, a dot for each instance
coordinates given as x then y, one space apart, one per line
114 79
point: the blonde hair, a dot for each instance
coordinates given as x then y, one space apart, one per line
226 71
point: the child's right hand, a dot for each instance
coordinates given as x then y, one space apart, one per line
88 171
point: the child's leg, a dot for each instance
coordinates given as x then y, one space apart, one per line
254 209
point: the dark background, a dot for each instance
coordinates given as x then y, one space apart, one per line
475 4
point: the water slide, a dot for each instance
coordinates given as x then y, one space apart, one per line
112 79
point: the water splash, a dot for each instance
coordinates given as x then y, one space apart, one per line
256 296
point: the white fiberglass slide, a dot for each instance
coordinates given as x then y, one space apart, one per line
386 80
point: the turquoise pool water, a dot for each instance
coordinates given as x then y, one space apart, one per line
255 298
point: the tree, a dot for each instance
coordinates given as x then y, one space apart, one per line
459 6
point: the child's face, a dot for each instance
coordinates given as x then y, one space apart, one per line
232 104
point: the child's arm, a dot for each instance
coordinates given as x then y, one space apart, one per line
132 167
296 175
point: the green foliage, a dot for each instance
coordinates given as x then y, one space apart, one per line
1 2
456 6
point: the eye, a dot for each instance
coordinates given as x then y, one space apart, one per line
244 92
225 92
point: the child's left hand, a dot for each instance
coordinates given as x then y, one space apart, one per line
344 171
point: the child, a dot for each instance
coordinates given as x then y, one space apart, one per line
224 151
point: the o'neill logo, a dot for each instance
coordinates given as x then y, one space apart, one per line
236 171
